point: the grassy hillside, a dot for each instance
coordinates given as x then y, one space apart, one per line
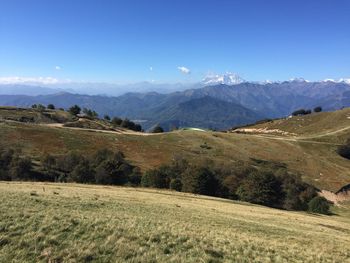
34 116
83 223
314 125
314 158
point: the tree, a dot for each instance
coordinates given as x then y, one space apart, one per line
318 109
107 118
74 110
157 129
20 168
319 205
41 107
157 178
261 188
116 121
51 106
82 173
34 106
176 184
199 180
90 113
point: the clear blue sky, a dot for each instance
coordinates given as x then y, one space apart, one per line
118 41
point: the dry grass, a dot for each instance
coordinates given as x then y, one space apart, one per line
318 163
81 223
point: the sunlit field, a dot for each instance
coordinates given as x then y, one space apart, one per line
42 222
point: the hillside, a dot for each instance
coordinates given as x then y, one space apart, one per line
314 156
323 126
42 223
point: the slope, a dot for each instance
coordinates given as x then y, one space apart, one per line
42 223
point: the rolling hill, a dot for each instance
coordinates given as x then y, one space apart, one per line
312 153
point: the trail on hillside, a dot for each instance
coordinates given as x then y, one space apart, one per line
301 138
120 131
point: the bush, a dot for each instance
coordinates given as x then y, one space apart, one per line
157 129
318 109
107 118
301 112
344 150
116 121
51 107
319 205
176 184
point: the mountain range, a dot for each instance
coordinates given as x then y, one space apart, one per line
217 106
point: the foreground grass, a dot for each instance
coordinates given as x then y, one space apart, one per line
80 223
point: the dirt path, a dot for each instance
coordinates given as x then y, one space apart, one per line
304 139
291 139
121 131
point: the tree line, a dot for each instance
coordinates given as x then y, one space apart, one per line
270 184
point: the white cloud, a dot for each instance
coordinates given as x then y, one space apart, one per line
184 70
29 80
57 67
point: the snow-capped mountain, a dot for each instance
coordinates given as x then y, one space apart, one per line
228 78
347 81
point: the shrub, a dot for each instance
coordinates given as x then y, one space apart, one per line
301 112
176 184
107 118
51 107
318 109
344 150
157 129
319 205
116 121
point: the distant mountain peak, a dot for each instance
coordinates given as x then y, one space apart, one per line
346 81
300 80
229 78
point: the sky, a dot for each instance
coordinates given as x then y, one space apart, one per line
174 40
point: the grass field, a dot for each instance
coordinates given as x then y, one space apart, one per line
82 223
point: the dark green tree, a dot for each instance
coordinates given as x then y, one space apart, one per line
261 188
51 106
74 110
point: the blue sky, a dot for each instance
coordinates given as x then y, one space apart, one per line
119 41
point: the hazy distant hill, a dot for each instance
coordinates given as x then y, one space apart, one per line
218 107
